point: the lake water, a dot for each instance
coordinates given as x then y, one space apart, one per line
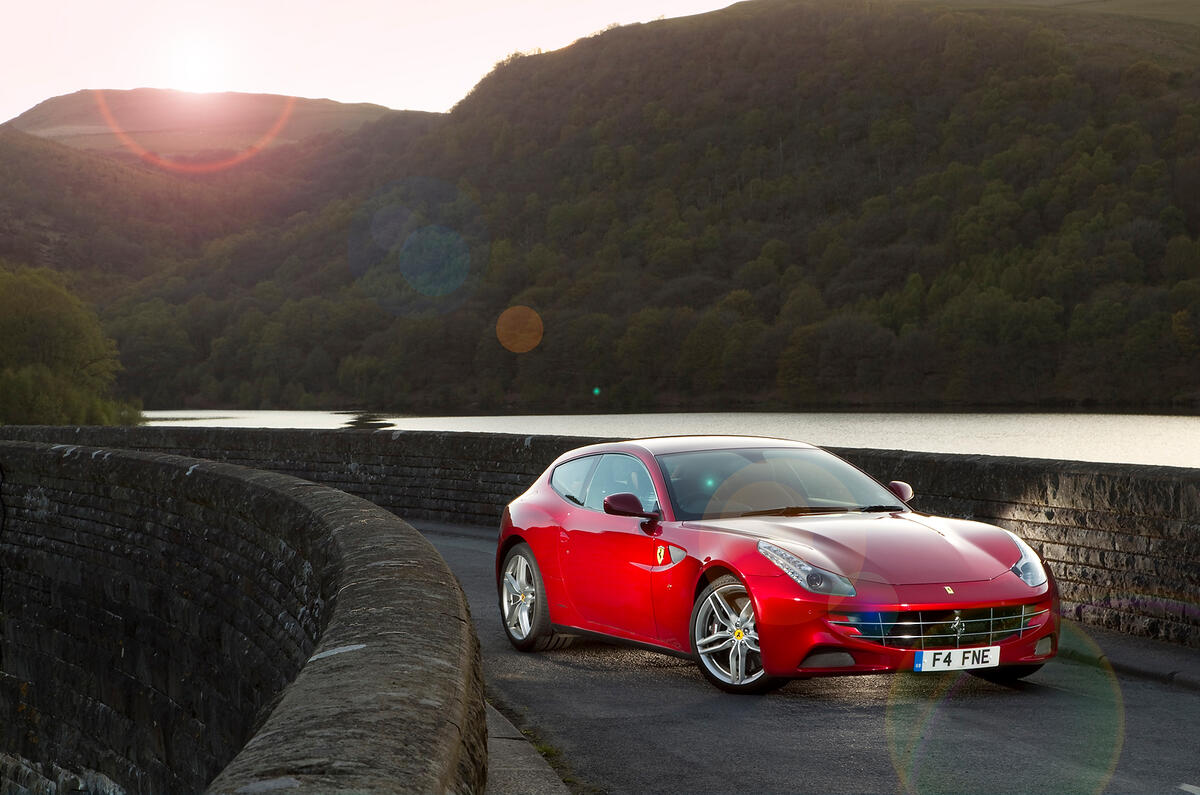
1118 438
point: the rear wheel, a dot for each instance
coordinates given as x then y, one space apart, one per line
523 608
725 638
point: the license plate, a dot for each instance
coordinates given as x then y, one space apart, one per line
957 659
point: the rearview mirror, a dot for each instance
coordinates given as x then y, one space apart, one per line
901 490
625 504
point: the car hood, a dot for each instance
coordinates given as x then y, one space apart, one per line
897 548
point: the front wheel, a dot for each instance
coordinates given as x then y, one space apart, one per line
724 636
523 608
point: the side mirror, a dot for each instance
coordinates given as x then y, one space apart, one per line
625 504
901 490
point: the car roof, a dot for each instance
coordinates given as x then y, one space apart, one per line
664 445
661 445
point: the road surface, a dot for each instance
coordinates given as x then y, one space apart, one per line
626 720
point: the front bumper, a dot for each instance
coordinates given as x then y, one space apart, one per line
802 635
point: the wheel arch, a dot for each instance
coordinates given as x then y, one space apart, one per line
508 543
547 562
711 574
712 669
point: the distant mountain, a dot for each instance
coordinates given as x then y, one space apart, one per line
179 124
76 200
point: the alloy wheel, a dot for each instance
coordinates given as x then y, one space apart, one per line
518 599
726 638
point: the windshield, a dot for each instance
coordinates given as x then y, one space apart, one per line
709 484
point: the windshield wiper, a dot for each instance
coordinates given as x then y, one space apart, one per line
805 510
793 510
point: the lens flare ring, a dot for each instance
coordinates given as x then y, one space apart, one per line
927 750
192 168
415 245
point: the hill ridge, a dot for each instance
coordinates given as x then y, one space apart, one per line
174 123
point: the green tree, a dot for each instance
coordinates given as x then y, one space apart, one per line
154 344
56 365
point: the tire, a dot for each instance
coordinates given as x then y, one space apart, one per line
524 613
1007 674
724 638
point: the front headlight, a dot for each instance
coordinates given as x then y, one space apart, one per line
806 575
1029 568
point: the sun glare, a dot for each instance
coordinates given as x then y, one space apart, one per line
198 64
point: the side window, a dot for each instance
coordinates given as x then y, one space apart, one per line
619 473
569 479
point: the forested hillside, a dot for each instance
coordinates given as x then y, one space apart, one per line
98 220
788 203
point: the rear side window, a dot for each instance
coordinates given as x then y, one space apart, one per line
569 479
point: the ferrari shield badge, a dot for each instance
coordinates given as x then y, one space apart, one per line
662 552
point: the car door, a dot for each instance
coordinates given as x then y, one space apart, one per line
607 560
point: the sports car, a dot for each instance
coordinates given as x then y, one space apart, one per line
765 560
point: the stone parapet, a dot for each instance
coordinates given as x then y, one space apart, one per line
164 620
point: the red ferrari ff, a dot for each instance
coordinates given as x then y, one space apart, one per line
763 560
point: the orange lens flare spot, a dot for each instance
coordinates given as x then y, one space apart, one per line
519 329
192 167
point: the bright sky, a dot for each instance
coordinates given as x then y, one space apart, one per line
404 54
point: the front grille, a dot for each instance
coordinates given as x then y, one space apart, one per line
940 629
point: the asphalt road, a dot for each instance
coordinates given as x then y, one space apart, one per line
626 720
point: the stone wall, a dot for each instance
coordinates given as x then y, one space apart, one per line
163 620
1123 540
465 477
